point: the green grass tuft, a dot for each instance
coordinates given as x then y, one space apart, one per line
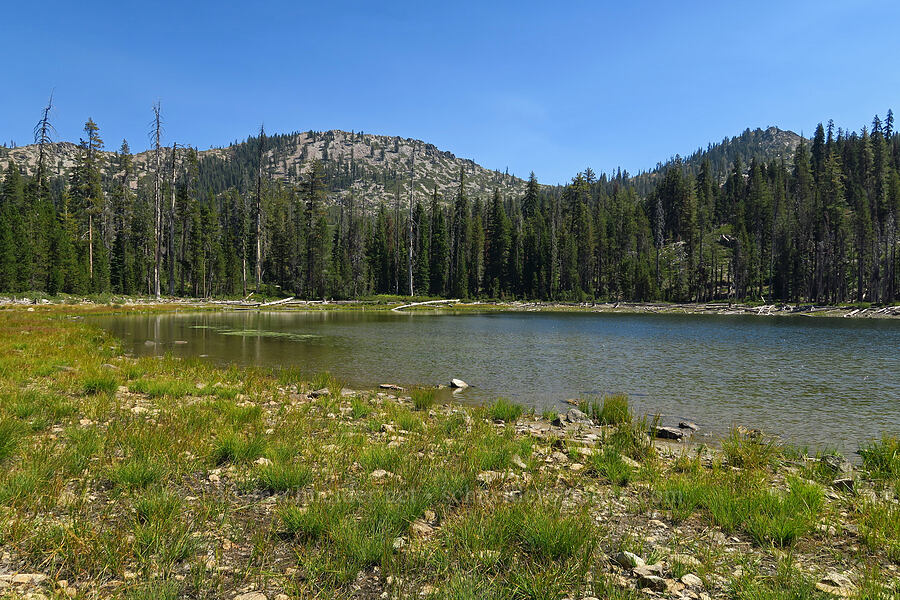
423 398
504 410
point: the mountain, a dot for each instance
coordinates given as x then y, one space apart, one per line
369 166
764 145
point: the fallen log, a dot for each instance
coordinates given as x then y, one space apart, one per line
399 308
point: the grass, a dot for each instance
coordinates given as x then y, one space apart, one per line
609 465
422 398
9 438
504 410
99 384
138 473
739 503
882 458
609 410
283 477
237 449
750 450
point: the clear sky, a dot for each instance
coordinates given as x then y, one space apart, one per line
552 87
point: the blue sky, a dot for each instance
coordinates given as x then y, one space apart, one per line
548 87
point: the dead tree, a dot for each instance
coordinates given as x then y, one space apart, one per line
171 246
259 178
155 135
43 137
412 182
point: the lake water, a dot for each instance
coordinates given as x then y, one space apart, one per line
819 382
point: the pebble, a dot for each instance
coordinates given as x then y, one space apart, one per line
691 580
251 596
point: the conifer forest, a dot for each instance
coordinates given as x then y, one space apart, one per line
815 223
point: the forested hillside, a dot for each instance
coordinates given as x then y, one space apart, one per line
342 215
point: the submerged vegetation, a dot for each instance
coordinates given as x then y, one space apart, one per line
159 477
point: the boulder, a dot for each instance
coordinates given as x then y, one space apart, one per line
688 425
573 415
668 433
458 383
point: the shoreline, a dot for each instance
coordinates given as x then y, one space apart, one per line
411 304
166 478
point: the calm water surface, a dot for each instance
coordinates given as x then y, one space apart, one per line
825 383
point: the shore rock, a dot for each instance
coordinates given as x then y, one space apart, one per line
688 425
319 393
391 386
837 584
668 433
838 464
458 383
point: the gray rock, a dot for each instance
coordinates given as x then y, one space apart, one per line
837 464
319 393
845 484
648 570
688 425
458 383
691 580
627 560
251 596
391 386
573 415
654 582
668 433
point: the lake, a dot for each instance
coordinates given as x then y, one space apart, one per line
819 382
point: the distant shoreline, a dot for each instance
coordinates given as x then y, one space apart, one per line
855 311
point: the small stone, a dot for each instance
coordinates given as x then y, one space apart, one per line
458 383
262 461
140 410
576 467
489 477
844 484
282 597
421 528
214 478
390 386
517 461
630 462
381 474
654 582
627 560
647 570
688 425
28 578
691 580
399 543
429 516
251 596
685 559
836 584
318 393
